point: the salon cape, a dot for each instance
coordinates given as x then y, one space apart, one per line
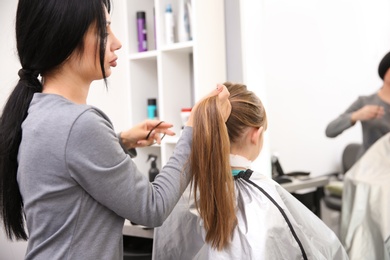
261 233
365 219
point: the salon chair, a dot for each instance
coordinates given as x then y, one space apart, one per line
334 190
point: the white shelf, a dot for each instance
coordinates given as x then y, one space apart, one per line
147 55
184 47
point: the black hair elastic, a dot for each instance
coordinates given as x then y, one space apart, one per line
30 77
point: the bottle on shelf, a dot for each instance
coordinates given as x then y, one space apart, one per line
189 19
141 30
169 25
153 171
185 114
152 108
183 21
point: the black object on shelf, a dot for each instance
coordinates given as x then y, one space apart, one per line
153 171
137 248
280 176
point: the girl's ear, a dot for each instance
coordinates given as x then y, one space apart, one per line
256 134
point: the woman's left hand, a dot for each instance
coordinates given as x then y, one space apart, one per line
146 133
225 106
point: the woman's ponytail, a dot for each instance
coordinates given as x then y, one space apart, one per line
13 115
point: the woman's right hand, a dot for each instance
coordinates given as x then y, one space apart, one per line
368 112
145 133
223 95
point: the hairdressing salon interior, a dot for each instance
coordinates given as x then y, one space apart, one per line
307 61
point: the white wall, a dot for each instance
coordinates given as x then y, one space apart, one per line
253 70
114 100
318 57
244 55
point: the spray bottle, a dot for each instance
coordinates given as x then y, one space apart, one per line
141 30
153 171
169 25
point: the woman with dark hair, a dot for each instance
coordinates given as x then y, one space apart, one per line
372 111
229 214
64 172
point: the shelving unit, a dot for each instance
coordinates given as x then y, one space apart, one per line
177 75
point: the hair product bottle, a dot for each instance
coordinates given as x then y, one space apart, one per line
141 30
152 108
169 25
183 25
153 171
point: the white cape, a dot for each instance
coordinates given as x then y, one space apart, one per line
365 225
262 231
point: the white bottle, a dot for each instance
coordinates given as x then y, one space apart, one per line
169 25
183 22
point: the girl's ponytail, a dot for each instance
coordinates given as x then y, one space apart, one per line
212 178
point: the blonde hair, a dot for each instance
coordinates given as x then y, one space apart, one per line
209 159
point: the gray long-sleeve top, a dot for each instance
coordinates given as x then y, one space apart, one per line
78 185
372 129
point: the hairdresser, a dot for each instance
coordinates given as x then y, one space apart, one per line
372 111
67 182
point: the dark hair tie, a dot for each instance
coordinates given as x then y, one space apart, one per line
31 77
27 74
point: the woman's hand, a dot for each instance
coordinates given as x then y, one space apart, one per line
368 112
223 95
146 133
